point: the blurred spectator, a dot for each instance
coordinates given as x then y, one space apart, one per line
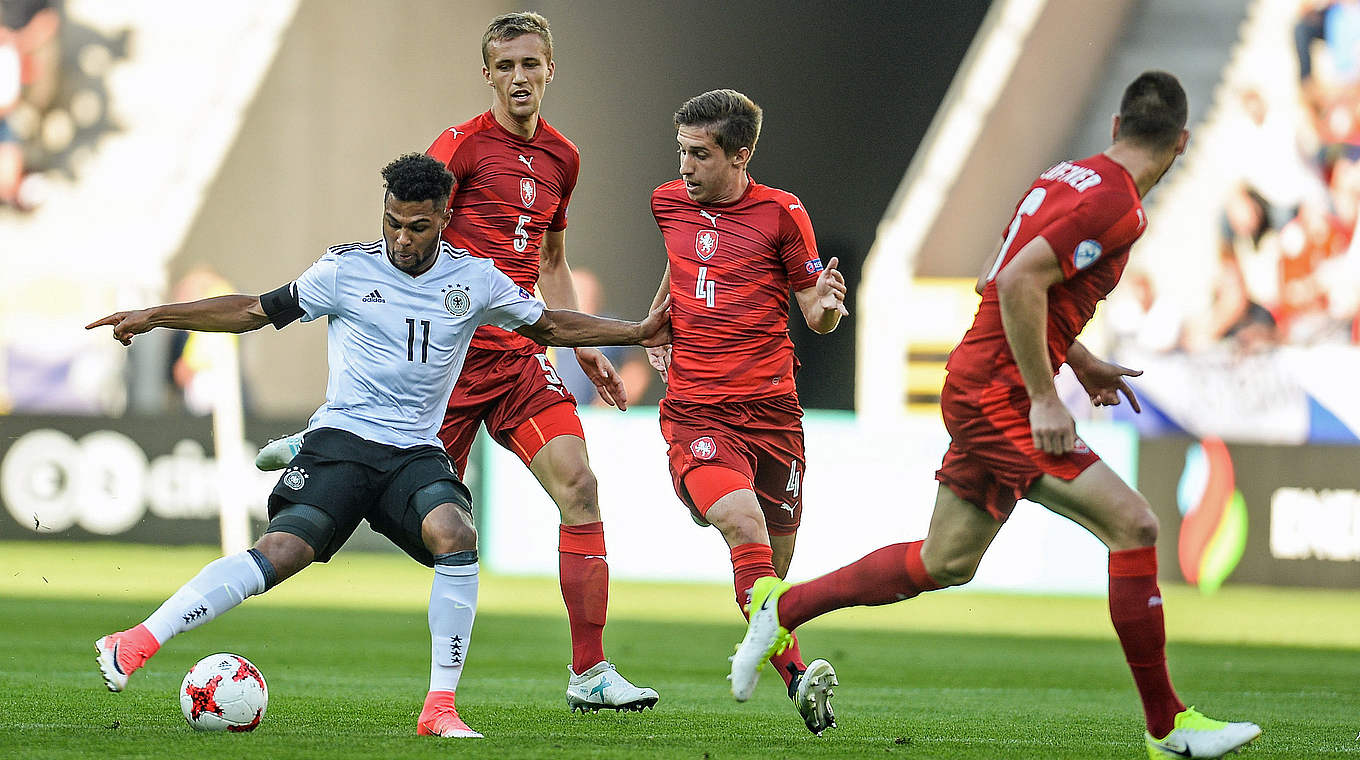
1277 171
29 57
630 361
1233 312
1308 245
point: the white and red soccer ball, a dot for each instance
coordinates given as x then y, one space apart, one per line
223 692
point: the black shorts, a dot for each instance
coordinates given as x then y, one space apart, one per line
352 479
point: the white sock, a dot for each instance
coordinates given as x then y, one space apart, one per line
453 604
219 586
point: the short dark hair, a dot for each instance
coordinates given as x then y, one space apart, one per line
732 118
1153 111
511 25
417 177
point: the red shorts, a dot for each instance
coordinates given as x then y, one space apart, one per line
513 393
761 439
991 460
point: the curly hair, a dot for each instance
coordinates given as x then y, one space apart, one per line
511 25
732 118
417 177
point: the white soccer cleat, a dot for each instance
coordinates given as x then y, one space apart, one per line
812 696
1197 736
106 654
601 687
764 636
276 454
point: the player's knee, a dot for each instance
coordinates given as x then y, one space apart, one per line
1137 525
1143 528
955 573
286 552
448 528
577 495
954 570
740 527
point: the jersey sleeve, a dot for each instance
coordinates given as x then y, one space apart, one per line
509 306
316 288
798 245
1099 223
559 220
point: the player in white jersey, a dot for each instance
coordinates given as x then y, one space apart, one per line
401 313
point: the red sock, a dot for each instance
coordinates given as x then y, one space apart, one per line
884 576
749 562
1136 611
584 575
789 663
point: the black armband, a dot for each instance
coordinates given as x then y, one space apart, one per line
281 306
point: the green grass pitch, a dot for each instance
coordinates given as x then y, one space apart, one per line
345 650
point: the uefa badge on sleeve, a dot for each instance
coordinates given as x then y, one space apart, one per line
1086 254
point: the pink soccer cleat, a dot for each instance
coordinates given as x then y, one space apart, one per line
121 654
440 718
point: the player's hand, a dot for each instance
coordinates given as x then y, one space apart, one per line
125 324
1054 430
660 359
603 374
831 288
656 328
1104 381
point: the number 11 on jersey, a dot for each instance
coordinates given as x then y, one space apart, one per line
704 287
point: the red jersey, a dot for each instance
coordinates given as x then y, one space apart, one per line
731 271
508 192
1090 213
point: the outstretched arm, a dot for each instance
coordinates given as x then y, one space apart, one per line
562 327
558 289
231 314
823 304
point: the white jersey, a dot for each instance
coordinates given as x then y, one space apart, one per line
396 343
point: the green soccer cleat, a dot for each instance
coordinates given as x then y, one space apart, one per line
764 636
1196 736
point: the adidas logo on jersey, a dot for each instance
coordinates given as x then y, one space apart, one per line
374 297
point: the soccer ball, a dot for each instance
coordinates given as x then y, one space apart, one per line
223 692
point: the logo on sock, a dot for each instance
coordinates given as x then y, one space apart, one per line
194 614
456 650
295 478
1154 601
